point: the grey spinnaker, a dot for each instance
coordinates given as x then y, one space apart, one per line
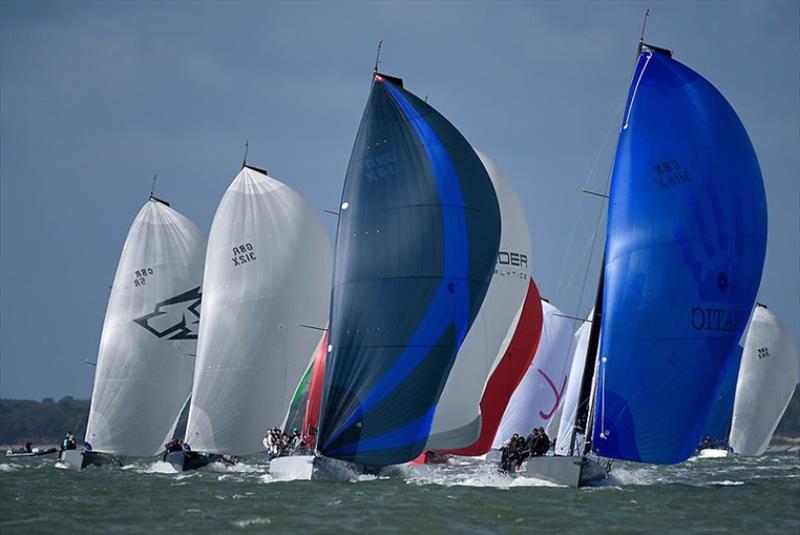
418 236
146 356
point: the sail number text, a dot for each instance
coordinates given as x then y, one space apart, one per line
670 173
140 276
243 254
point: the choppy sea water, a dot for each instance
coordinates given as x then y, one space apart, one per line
730 495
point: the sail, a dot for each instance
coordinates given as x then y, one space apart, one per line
146 358
267 274
539 396
418 237
314 397
767 379
718 423
685 243
466 405
569 409
297 406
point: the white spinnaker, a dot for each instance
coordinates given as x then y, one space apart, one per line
146 357
767 379
457 421
541 391
268 271
571 395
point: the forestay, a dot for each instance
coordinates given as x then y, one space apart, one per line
541 392
267 274
767 379
146 358
418 237
458 419
685 248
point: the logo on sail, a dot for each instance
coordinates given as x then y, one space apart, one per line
507 261
718 319
176 318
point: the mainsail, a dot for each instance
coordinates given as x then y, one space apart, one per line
418 238
569 408
685 245
145 362
540 394
467 409
767 380
267 277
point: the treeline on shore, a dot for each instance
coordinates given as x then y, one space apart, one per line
41 422
46 421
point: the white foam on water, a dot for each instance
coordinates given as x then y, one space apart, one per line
158 467
255 521
236 468
724 483
475 475
522 481
5 467
635 476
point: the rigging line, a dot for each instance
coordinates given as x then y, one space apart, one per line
378 56
644 25
312 327
559 288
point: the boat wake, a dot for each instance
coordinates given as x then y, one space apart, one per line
158 467
464 474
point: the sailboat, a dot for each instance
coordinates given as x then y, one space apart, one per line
143 375
499 346
417 242
763 386
679 277
266 293
539 396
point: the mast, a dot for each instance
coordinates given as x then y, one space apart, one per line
583 412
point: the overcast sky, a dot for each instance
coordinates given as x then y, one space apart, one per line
96 97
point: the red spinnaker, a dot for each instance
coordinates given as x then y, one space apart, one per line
311 418
508 373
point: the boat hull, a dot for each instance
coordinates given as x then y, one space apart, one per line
80 459
494 456
312 468
564 470
711 453
182 461
34 453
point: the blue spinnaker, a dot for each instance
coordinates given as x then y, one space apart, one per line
418 235
685 245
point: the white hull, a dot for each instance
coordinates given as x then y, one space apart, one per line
311 468
712 454
72 459
564 470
